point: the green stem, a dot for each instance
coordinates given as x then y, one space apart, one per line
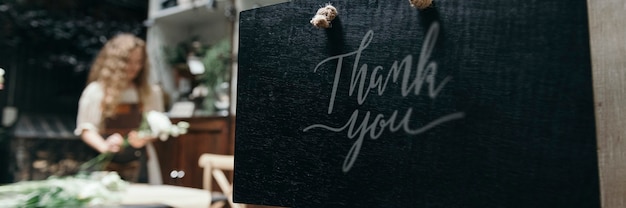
101 161
97 163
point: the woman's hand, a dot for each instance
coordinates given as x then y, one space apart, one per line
113 143
137 142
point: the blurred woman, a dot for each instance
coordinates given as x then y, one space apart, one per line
111 107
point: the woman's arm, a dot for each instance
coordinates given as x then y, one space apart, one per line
89 118
154 103
113 143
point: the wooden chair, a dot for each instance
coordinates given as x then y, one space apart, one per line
214 166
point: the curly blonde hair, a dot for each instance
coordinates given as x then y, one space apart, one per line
109 69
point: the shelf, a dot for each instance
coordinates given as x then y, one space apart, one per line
192 13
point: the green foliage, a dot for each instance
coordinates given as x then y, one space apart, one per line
178 54
217 60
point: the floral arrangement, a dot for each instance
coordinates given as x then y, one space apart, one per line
98 189
154 124
87 189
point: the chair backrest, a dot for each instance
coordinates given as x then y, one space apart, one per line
214 166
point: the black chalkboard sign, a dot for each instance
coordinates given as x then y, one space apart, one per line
465 104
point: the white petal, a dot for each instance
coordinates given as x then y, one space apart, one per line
183 124
183 130
174 132
163 137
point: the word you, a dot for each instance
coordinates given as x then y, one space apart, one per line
373 125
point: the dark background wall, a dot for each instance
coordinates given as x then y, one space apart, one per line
46 48
49 46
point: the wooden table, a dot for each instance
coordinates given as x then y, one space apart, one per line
174 196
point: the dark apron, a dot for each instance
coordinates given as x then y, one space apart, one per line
130 163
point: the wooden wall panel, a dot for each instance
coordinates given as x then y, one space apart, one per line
607 21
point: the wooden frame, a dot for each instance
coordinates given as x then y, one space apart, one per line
608 58
214 166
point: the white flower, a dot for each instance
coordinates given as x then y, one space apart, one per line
160 126
182 126
174 131
164 136
113 181
91 190
158 122
97 202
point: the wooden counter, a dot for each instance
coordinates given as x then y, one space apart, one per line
179 156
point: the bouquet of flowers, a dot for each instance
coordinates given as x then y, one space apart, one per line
98 189
86 189
154 124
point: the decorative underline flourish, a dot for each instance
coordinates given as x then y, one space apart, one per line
366 127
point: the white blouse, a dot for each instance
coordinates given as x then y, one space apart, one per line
90 110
